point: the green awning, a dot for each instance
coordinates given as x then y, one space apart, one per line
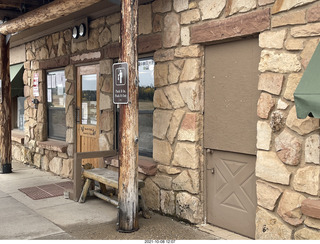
307 93
16 78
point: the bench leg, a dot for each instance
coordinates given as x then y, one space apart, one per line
145 211
85 190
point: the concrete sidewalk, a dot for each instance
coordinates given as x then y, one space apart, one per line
57 218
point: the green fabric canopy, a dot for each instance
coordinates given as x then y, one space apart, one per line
307 93
16 78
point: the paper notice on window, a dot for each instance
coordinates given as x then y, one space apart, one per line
49 81
60 91
84 111
53 81
49 96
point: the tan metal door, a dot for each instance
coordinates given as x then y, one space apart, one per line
231 96
88 111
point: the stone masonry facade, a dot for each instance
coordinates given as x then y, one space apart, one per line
287 166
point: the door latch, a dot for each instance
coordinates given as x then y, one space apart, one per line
212 171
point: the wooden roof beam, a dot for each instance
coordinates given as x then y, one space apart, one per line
44 14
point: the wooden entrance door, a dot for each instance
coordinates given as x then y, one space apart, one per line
88 111
231 96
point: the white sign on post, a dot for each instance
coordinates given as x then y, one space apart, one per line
120 83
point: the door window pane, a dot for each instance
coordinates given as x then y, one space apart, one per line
89 99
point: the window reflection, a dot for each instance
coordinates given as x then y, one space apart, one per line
89 99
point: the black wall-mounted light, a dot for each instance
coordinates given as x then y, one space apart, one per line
79 31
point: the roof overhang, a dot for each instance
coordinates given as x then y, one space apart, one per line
307 93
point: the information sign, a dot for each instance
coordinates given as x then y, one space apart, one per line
120 83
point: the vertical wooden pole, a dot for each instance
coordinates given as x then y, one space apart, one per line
128 129
5 108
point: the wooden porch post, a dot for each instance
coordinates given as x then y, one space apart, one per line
5 107
128 129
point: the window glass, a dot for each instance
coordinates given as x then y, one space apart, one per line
146 91
89 99
56 98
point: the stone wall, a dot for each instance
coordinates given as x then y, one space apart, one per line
287 166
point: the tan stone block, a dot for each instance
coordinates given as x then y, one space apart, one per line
162 152
188 181
190 92
180 5
69 135
55 165
151 194
174 124
263 135
240 6
106 66
115 32
104 142
288 148
270 168
167 202
189 129
265 2
62 50
161 6
67 168
279 62
270 227
105 37
313 13
173 94
306 54
171 30
163 55
307 180
190 16
173 74
157 23
267 195
161 75
312 149
189 207
144 19
105 101
78 46
306 30
301 126
160 100
294 44
185 36
289 18
292 83
106 121
161 121
191 70
168 170
283 5
211 9
265 104
270 82
193 51
113 19
37 160
289 208
93 39
69 72
272 39
186 155
307 234
313 223
163 181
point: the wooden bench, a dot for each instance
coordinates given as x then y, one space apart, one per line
107 177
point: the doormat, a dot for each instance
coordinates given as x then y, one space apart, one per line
47 191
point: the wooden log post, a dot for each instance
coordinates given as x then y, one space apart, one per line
128 129
5 108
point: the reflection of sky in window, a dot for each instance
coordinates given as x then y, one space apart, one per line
145 68
89 82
